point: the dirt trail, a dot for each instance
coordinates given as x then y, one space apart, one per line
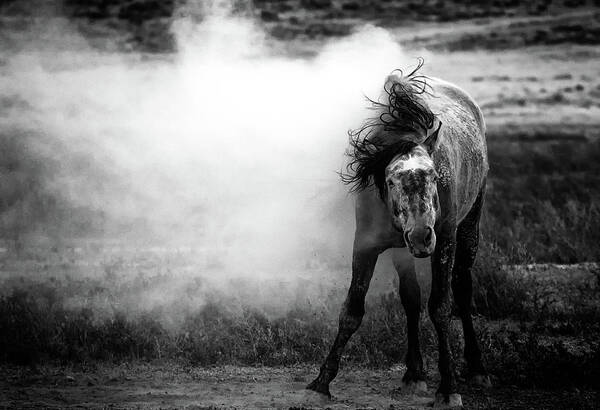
223 387
168 386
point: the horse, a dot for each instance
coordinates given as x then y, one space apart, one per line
419 172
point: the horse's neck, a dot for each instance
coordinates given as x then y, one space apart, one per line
389 138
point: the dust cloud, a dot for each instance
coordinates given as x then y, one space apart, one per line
229 144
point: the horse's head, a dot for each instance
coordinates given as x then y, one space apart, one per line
393 150
412 197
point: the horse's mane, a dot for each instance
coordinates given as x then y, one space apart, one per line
402 112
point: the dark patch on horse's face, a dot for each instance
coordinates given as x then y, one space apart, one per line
412 200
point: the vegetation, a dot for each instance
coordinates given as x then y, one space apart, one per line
533 335
542 204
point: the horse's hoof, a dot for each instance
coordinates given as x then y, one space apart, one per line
414 387
480 380
310 398
319 387
447 401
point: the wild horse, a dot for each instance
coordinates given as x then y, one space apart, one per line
419 169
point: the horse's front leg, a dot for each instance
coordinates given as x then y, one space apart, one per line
363 264
440 308
410 294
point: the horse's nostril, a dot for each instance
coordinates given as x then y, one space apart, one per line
428 236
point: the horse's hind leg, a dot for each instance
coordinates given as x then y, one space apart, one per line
353 310
410 295
467 238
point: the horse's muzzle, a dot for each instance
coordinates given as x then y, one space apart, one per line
420 241
421 255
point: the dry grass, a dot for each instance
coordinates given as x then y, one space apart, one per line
531 325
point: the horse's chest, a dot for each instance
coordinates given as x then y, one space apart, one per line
374 226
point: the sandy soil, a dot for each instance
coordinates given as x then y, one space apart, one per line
167 386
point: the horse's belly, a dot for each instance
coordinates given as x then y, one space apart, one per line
470 180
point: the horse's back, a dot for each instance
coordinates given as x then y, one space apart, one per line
451 94
462 138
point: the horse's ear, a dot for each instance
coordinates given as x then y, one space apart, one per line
432 141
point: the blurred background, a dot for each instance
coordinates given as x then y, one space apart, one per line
169 187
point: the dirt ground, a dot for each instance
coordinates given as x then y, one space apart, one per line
166 386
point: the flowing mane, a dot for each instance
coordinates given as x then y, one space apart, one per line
402 112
